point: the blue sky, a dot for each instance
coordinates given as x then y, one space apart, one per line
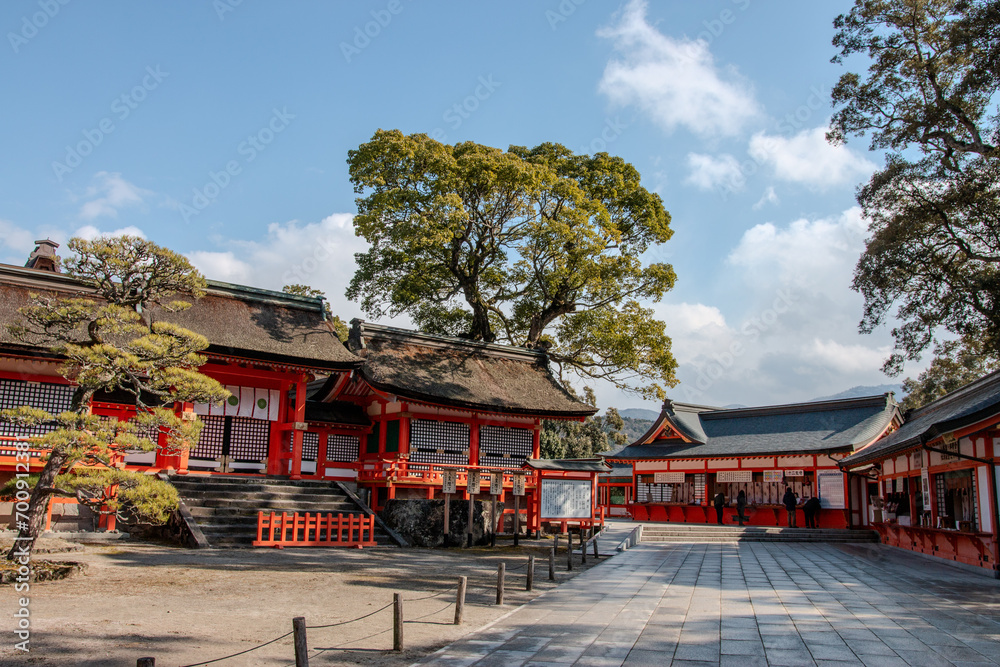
221 130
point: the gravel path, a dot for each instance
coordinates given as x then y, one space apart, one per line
184 606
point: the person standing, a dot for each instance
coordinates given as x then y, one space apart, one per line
741 503
720 503
811 511
789 501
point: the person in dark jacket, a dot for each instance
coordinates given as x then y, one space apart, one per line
741 503
811 510
789 501
720 503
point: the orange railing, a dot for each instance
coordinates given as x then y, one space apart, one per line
395 470
314 530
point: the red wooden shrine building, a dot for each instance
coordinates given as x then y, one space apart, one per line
693 452
931 486
390 410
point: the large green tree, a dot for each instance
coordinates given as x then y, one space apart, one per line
929 99
956 364
577 440
531 247
111 341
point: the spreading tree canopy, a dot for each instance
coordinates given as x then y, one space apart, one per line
930 100
111 342
532 247
956 364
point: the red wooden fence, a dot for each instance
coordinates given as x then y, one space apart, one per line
314 530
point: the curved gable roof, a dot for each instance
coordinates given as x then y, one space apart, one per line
461 373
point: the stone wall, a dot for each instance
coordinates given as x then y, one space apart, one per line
422 521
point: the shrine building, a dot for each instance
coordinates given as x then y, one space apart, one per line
693 452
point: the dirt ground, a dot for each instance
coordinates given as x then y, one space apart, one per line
184 607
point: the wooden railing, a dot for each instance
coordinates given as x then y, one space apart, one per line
394 470
314 530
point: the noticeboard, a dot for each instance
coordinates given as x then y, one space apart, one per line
668 478
496 484
831 489
774 476
518 485
449 481
566 499
473 483
737 476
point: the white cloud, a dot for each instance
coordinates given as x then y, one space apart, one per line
708 172
769 197
90 232
808 158
675 81
318 254
16 239
847 358
110 194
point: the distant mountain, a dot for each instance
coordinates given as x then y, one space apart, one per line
859 391
639 413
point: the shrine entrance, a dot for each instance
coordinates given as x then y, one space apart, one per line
232 444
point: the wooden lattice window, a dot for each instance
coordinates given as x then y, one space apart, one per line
53 398
212 438
310 446
505 447
343 448
439 442
249 438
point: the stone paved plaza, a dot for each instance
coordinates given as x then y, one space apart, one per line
750 604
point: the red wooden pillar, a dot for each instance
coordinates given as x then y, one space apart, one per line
299 417
536 444
474 441
275 448
321 454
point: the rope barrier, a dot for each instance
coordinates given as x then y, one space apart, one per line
209 662
334 625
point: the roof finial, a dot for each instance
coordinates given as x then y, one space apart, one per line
44 257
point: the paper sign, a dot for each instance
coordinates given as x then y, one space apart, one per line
774 476
473 484
496 484
449 481
518 485
668 478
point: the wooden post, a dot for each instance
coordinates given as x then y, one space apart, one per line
493 520
595 550
530 582
472 501
583 548
301 647
517 519
397 622
460 600
501 570
552 564
145 662
569 552
446 503
555 544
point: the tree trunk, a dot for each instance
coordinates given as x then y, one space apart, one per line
38 505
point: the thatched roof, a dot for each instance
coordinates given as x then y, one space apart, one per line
451 371
238 321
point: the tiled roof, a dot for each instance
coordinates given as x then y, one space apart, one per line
972 403
569 465
801 428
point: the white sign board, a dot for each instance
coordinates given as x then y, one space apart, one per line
566 499
795 473
734 476
473 483
496 484
518 485
831 489
449 481
668 478
774 476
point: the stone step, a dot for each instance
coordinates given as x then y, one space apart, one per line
250 504
262 496
236 480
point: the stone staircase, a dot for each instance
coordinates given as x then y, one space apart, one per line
694 533
225 507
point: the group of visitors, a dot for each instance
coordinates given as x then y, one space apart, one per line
791 502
